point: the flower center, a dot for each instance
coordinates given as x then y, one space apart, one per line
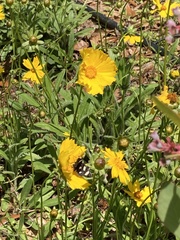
90 72
163 8
138 194
172 97
32 70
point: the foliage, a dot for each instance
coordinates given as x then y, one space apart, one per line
38 197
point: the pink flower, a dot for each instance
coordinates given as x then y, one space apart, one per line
167 147
176 11
156 145
173 28
169 38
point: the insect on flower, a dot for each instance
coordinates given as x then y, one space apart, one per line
82 169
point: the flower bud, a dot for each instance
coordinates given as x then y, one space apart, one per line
42 114
156 205
99 163
107 110
123 142
23 1
33 40
47 3
9 2
53 213
177 172
169 129
9 23
96 149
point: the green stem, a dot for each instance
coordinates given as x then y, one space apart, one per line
76 111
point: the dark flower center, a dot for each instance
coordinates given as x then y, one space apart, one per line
138 194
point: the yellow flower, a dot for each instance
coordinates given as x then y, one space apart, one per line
97 70
164 8
140 196
69 154
115 160
1 69
2 15
132 39
36 73
163 97
175 73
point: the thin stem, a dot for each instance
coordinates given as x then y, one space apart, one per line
76 111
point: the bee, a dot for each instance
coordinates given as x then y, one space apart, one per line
82 169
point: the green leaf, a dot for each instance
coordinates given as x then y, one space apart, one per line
59 130
169 208
40 166
50 202
30 100
167 111
26 190
3 155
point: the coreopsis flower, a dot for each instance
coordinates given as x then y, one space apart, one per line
175 73
166 97
35 73
163 97
69 154
118 165
165 9
2 15
132 39
141 197
97 71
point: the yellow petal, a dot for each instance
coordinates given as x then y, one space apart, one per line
77 182
157 3
27 63
35 62
126 38
124 177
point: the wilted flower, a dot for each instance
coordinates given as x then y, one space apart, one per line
69 154
140 196
119 166
35 73
165 9
97 71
